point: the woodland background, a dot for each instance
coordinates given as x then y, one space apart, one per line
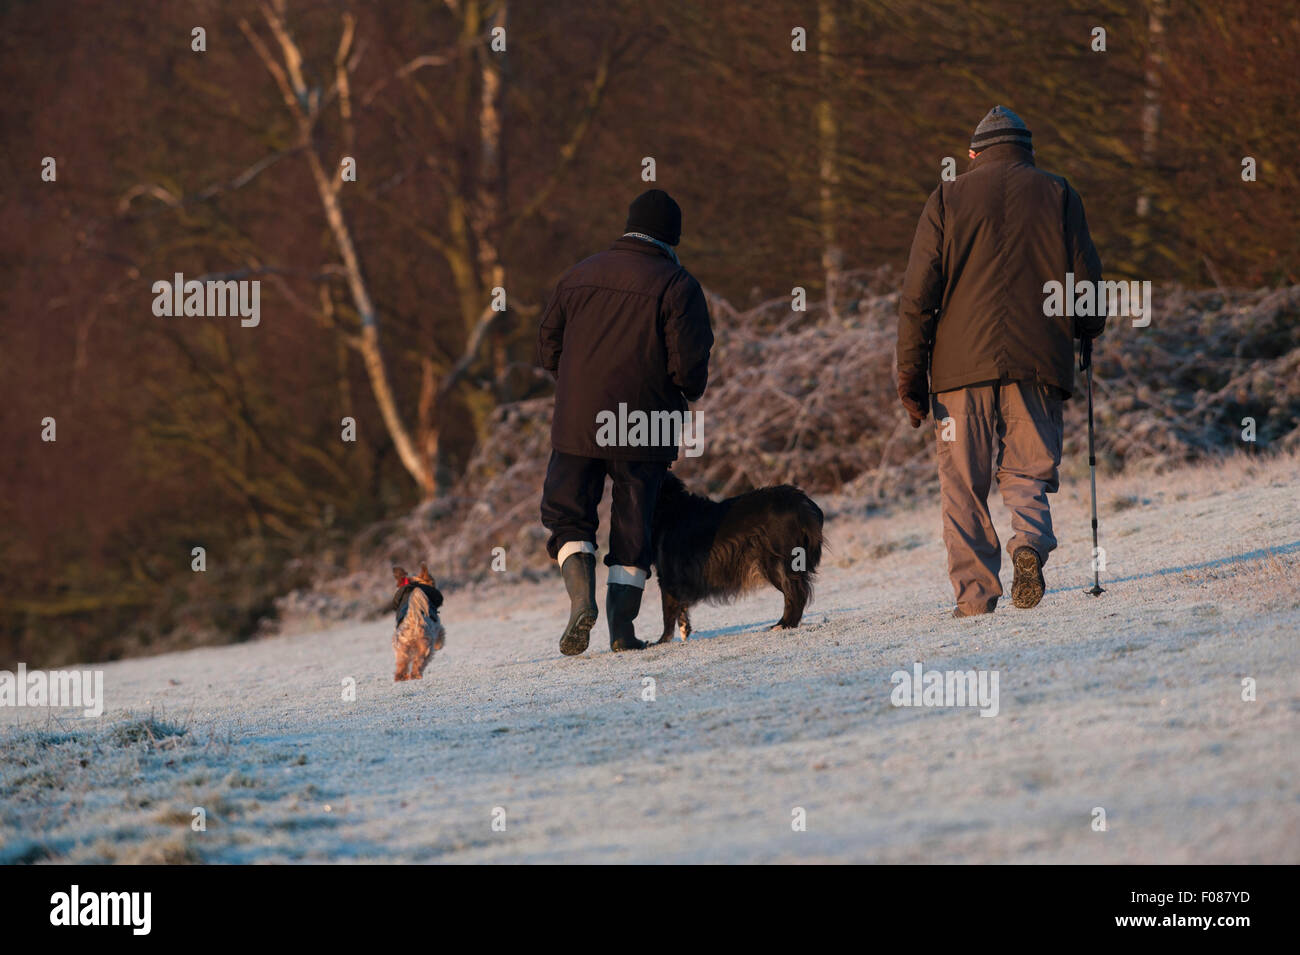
479 169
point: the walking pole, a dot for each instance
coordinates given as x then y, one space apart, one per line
1085 363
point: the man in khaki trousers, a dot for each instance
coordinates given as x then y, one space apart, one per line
974 333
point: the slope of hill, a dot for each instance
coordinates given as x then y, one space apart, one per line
1131 703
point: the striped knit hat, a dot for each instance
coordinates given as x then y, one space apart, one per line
1000 126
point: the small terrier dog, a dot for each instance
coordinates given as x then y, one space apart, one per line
717 550
419 632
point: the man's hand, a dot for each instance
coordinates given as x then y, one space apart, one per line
914 392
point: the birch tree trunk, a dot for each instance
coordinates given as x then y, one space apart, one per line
490 207
1152 82
303 103
828 141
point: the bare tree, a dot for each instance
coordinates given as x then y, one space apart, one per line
473 188
1152 82
305 105
828 140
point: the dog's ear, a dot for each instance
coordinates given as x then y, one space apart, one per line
426 576
398 574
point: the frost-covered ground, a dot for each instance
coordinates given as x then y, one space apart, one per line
1131 702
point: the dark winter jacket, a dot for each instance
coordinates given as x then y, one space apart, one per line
627 326
972 302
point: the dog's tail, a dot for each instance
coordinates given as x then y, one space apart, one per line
798 584
811 520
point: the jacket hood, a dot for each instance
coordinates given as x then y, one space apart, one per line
1003 152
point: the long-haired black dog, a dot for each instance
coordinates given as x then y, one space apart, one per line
718 550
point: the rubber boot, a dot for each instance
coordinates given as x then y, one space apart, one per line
579 573
622 602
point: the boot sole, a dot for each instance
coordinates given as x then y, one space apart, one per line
578 636
1028 586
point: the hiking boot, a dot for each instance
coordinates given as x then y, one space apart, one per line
579 573
1027 587
960 611
622 602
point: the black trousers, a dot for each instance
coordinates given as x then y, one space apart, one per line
572 492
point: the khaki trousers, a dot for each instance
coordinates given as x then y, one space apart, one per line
1018 426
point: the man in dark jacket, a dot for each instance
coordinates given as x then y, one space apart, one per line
627 336
974 332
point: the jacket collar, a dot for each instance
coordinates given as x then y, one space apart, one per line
627 244
1003 152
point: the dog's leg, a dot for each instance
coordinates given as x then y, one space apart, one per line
794 586
684 626
422 653
400 657
672 610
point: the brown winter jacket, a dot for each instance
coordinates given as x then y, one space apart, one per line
625 326
972 302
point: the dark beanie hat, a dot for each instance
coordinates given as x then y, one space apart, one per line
656 214
1000 126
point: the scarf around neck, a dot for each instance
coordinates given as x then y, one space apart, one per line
672 253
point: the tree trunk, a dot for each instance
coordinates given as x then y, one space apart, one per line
828 139
490 207
302 102
1152 82
371 352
